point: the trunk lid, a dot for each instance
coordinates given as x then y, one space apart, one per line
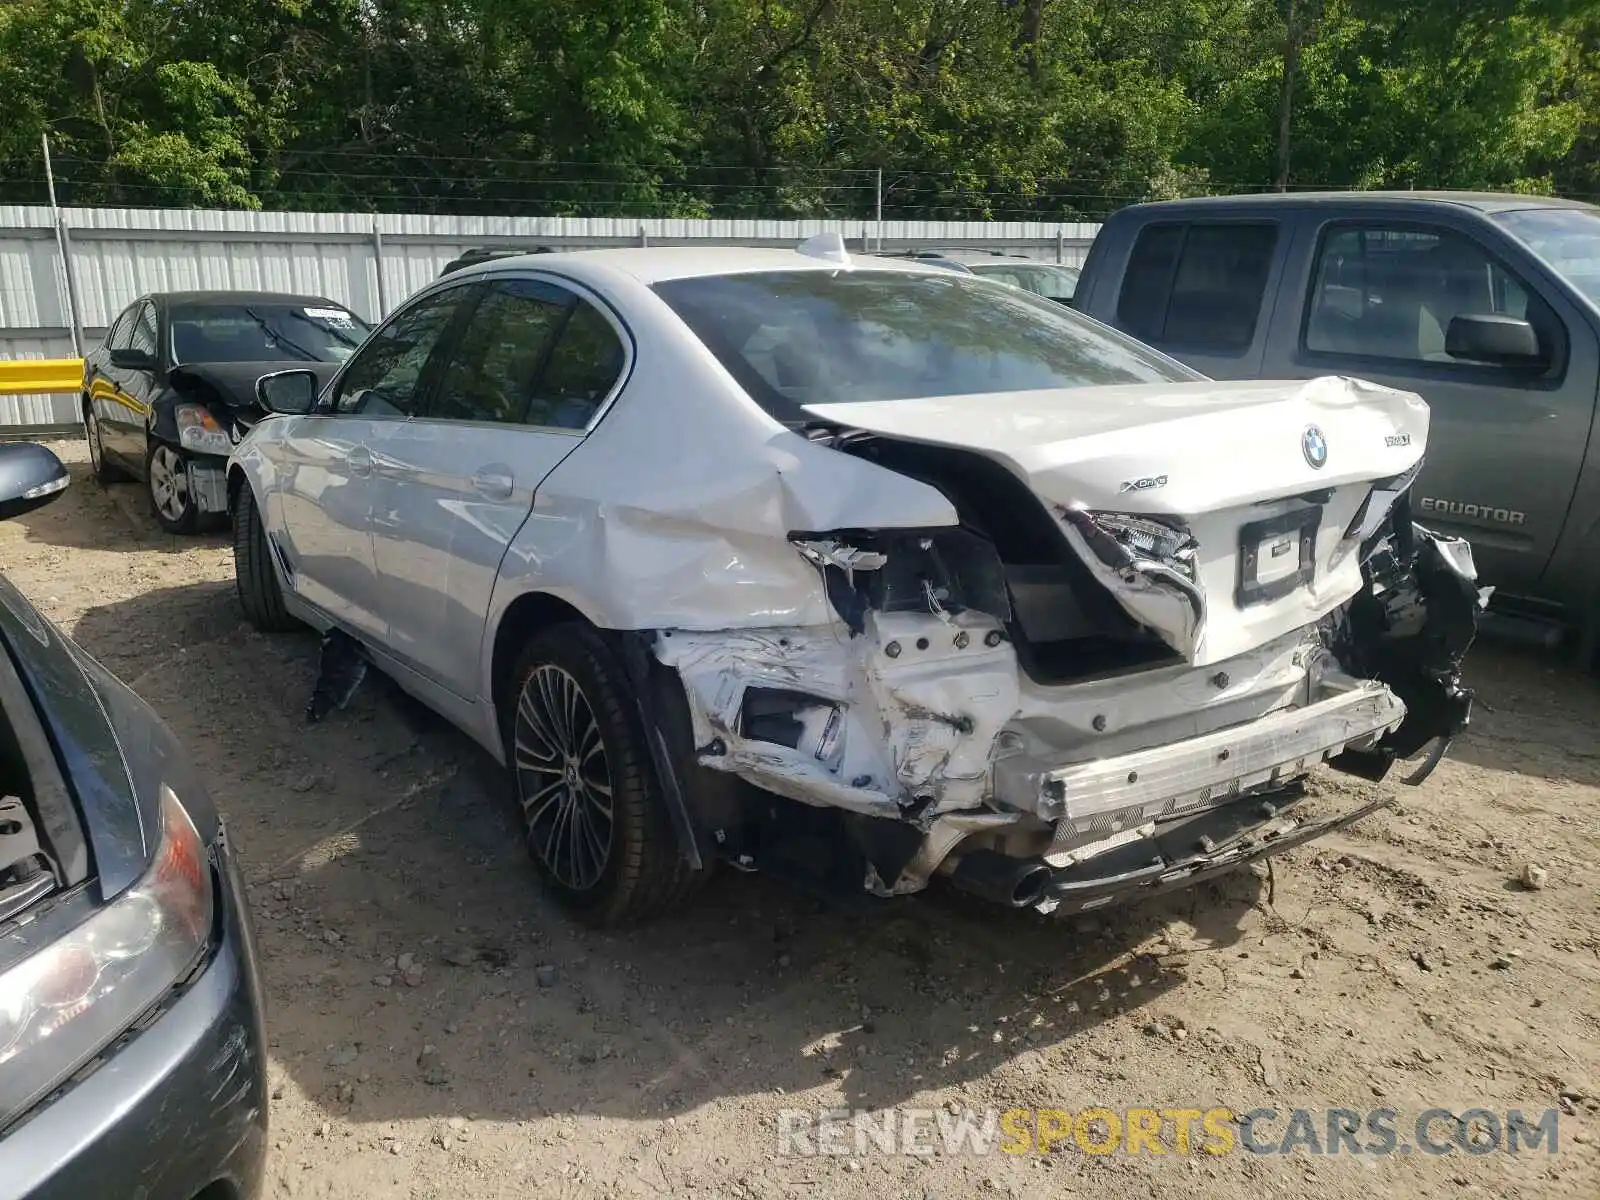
1265 478
1217 445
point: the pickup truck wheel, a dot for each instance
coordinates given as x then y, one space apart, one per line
167 480
596 825
99 467
254 579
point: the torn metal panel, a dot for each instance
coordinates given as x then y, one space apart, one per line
943 836
693 533
1155 593
1230 580
718 670
902 720
943 691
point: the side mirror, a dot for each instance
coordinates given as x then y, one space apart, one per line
289 393
128 358
1493 338
30 477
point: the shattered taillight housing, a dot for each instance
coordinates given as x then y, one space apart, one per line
1121 539
940 571
1375 509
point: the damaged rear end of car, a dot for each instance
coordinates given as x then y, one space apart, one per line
1161 604
1042 759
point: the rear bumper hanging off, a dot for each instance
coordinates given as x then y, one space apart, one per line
1103 802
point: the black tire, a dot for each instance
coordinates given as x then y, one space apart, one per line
558 782
101 469
175 510
254 579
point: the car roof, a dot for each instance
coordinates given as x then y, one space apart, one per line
1486 202
1012 261
977 254
657 264
200 299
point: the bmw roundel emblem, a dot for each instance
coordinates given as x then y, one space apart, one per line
1315 447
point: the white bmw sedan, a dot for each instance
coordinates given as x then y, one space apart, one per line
861 571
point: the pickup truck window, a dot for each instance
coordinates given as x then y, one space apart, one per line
1566 238
1391 291
1197 285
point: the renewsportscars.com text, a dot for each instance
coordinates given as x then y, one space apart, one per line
1156 1131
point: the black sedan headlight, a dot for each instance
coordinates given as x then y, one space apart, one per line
200 431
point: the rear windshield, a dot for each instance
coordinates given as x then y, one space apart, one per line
264 333
1058 283
794 338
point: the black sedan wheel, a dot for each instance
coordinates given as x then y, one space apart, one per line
596 825
171 501
103 471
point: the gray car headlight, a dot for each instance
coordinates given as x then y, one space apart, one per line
198 430
64 1003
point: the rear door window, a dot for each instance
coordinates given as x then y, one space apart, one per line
495 365
1197 286
583 368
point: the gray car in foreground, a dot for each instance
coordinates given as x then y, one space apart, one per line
132 1060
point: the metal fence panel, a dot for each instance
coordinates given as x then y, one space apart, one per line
367 263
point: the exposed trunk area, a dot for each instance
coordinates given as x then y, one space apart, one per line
1064 624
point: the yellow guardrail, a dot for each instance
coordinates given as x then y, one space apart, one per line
30 376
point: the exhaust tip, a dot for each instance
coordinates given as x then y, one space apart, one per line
1014 882
1031 887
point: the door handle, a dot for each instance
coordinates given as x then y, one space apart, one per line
359 460
492 482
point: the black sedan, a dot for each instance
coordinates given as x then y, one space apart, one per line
171 389
132 1060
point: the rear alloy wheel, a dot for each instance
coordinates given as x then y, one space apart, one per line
167 478
564 777
103 471
592 813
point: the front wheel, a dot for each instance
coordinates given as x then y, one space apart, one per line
254 579
171 500
596 825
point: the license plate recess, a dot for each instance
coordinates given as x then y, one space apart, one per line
1277 555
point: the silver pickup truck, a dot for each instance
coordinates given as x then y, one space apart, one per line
1488 306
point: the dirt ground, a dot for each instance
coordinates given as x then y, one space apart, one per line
437 1029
